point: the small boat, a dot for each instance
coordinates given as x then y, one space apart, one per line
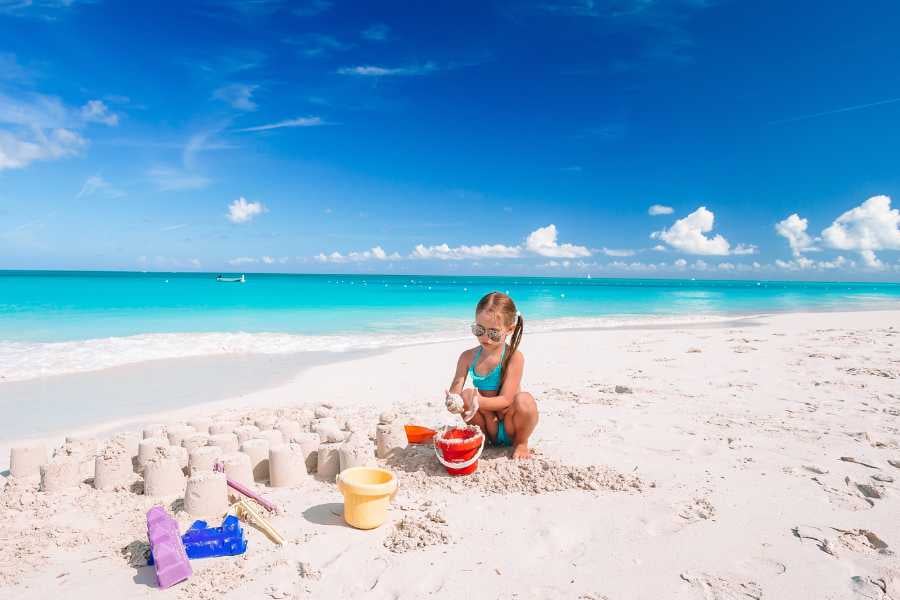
240 279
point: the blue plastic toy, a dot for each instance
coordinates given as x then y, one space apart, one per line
202 541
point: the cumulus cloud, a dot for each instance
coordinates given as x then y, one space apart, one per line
543 242
95 185
793 229
241 211
687 235
801 263
298 122
742 249
659 209
243 260
680 263
96 111
238 95
867 228
445 252
376 253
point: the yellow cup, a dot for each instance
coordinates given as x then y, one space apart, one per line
367 492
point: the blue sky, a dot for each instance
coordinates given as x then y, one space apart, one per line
486 137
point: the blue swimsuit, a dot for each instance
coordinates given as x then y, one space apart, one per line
491 383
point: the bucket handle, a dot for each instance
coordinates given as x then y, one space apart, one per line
460 465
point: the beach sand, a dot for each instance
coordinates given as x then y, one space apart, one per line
753 459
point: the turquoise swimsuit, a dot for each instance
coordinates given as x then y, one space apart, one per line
491 383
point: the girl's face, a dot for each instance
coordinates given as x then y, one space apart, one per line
489 329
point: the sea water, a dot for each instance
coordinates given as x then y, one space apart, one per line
54 322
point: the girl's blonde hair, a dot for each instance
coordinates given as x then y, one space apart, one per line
500 304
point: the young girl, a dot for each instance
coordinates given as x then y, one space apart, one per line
506 414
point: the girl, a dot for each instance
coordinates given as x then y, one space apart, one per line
506 414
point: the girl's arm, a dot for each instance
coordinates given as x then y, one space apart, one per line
459 377
511 382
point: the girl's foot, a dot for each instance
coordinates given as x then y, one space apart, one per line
521 451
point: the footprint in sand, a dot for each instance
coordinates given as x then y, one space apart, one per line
758 564
699 509
715 587
870 588
849 498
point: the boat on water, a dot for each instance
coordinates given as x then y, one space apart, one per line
223 279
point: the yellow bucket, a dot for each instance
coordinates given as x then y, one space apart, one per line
367 492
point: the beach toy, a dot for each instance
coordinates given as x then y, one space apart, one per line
249 514
166 549
267 504
459 448
203 541
367 492
416 434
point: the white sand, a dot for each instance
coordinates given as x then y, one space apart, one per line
747 460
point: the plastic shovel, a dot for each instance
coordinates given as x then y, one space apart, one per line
416 434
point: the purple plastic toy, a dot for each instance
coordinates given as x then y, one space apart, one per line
168 553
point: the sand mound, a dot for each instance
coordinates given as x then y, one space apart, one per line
413 532
418 470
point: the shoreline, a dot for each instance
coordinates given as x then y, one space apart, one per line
28 361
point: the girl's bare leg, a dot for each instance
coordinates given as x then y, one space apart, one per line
520 420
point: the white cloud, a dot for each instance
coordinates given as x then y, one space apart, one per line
793 229
18 152
376 253
243 260
267 260
376 33
680 263
871 226
614 252
726 266
743 249
376 71
241 211
543 242
801 263
687 235
298 122
445 252
238 95
659 248
168 179
659 209
95 111
95 185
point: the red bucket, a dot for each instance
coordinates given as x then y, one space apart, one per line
459 448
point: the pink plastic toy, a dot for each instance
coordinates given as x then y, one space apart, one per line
242 489
169 556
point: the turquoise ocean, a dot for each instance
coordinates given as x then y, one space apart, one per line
48 306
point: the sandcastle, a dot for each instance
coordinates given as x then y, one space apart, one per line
154 431
389 435
287 465
264 423
224 426
200 424
246 432
206 495
59 473
309 443
273 436
113 467
328 429
324 410
228 442
195 441
148 447
288 429
162 474
26 461
237 467
178 433
328 464
204 458
258 452
356 452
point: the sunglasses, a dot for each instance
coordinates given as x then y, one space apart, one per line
493 334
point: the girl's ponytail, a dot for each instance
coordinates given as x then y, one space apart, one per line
513 344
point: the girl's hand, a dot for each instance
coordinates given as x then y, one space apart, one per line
470 404
455 403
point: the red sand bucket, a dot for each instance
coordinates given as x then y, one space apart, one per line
459 448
